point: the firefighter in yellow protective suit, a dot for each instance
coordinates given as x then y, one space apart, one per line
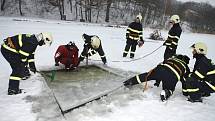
134 36
19 51
173 37
201 82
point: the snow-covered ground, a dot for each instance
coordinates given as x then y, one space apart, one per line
124 105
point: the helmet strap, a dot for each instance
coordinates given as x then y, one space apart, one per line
41 42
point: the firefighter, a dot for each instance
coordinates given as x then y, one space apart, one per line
134 36
201 82
169 72
173 37
67 55
92 45
19 50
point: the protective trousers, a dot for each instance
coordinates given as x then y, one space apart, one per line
17 66
169 52
130 44
161 73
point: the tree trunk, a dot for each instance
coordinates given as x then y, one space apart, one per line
109 2
76 10
70 2
89 11
2 5
20 7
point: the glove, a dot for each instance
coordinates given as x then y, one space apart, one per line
140 43
130 82
127 83
34 70
56 64
157 83
104 60
32 67
127 35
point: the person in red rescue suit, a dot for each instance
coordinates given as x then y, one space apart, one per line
169 72
201 82
19 50
67 55
92 45
173 37
134 36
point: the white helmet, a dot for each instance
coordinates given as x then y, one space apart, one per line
47 37
95 42
201 48
175 18
139 17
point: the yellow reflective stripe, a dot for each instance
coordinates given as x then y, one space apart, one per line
15 78
173 37
24 60
94 51
102 56
82 56
132 52
134 38
193 90
20 40
8 48
133 30
199 74
176 73
90 53
211 72
31 60
23 53
184 90
174 43
33 53
125 51
168 44
182 63
210 85
138 79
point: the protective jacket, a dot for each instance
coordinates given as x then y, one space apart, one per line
67 55
19 51
172 41
202 79
89 50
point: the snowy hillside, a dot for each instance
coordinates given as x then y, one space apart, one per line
37 104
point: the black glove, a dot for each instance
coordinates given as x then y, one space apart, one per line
104 60
157 83
32 67
33 70
130 82
56 64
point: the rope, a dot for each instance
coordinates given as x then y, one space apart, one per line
134 59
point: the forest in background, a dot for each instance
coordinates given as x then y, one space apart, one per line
199 17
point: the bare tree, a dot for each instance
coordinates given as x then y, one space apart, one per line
109 2
2 4
20 7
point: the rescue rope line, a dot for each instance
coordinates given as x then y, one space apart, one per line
145 80
133 59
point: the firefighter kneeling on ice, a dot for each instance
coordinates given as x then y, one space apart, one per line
67 55
169 72
201 82
92 45
19 50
